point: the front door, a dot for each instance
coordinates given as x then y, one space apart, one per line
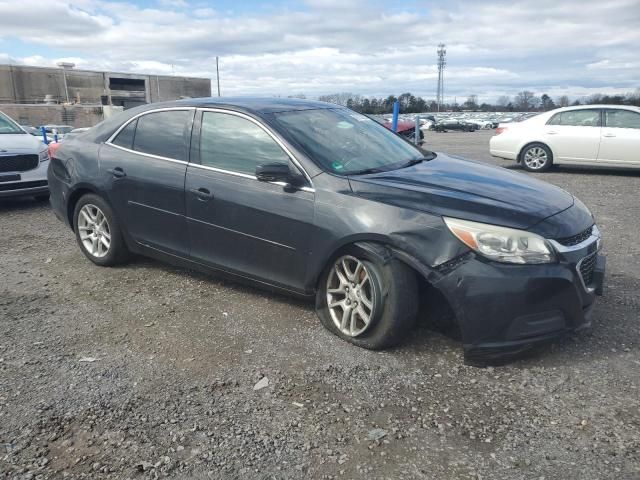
239 224
620 142
143 169
574 135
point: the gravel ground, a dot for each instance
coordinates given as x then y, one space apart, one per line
148 371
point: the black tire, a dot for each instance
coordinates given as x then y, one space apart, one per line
42 198
117 252
530 166
394 310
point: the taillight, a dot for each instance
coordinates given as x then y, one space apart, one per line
52 149
499 130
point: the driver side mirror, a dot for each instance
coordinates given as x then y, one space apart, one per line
273 172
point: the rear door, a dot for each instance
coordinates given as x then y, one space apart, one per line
620 137
259 229
574 135
143 167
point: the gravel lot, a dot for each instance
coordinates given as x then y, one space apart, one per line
148 371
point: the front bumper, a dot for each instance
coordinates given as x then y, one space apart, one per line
504 309
31 182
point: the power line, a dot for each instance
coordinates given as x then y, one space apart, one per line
442 61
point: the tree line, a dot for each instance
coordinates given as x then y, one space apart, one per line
525 101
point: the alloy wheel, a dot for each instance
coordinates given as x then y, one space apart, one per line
350 296
94 230
536 158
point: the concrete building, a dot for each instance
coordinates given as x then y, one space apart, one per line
23 84
38 95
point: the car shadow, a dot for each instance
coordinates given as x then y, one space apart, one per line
235 285
595 170
439 339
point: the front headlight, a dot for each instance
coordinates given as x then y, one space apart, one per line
500 243
43 155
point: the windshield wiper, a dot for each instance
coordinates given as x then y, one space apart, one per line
366 171
416 161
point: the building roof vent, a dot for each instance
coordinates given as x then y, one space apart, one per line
66 65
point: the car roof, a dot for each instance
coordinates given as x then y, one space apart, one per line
259 105
586 107
256 106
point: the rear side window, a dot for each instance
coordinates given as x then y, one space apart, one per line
163 134
236 144
622 119
577 118
125 138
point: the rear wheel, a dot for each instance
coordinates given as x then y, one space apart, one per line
97 231
367 301
536 157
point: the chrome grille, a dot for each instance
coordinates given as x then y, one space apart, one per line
576 239
586 267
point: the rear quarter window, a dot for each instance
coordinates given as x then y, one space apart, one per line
125 137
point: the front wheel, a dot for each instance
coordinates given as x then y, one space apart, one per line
536 158
367 301
97 231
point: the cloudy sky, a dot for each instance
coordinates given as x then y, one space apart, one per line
371 47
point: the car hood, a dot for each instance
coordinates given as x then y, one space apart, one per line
20 143
465 189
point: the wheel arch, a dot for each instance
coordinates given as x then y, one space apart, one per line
426 277
78 192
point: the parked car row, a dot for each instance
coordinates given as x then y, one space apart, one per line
52 131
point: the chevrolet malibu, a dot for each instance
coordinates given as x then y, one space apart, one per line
321 202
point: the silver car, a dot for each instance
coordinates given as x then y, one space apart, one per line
23 162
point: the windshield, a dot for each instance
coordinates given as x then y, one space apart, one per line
9 126
346 142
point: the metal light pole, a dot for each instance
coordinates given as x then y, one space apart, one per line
218 75
442 54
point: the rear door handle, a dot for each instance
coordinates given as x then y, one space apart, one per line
551 132
117 172
609 135
202 194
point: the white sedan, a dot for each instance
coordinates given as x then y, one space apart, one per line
606 135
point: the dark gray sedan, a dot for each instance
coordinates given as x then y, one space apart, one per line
322 202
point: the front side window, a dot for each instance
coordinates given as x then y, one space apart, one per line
622 119
8 126
345 142
163 134
577 118
233 143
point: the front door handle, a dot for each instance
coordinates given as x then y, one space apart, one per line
202 194
609 135
117 172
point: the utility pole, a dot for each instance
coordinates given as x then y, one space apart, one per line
442 61
218 75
